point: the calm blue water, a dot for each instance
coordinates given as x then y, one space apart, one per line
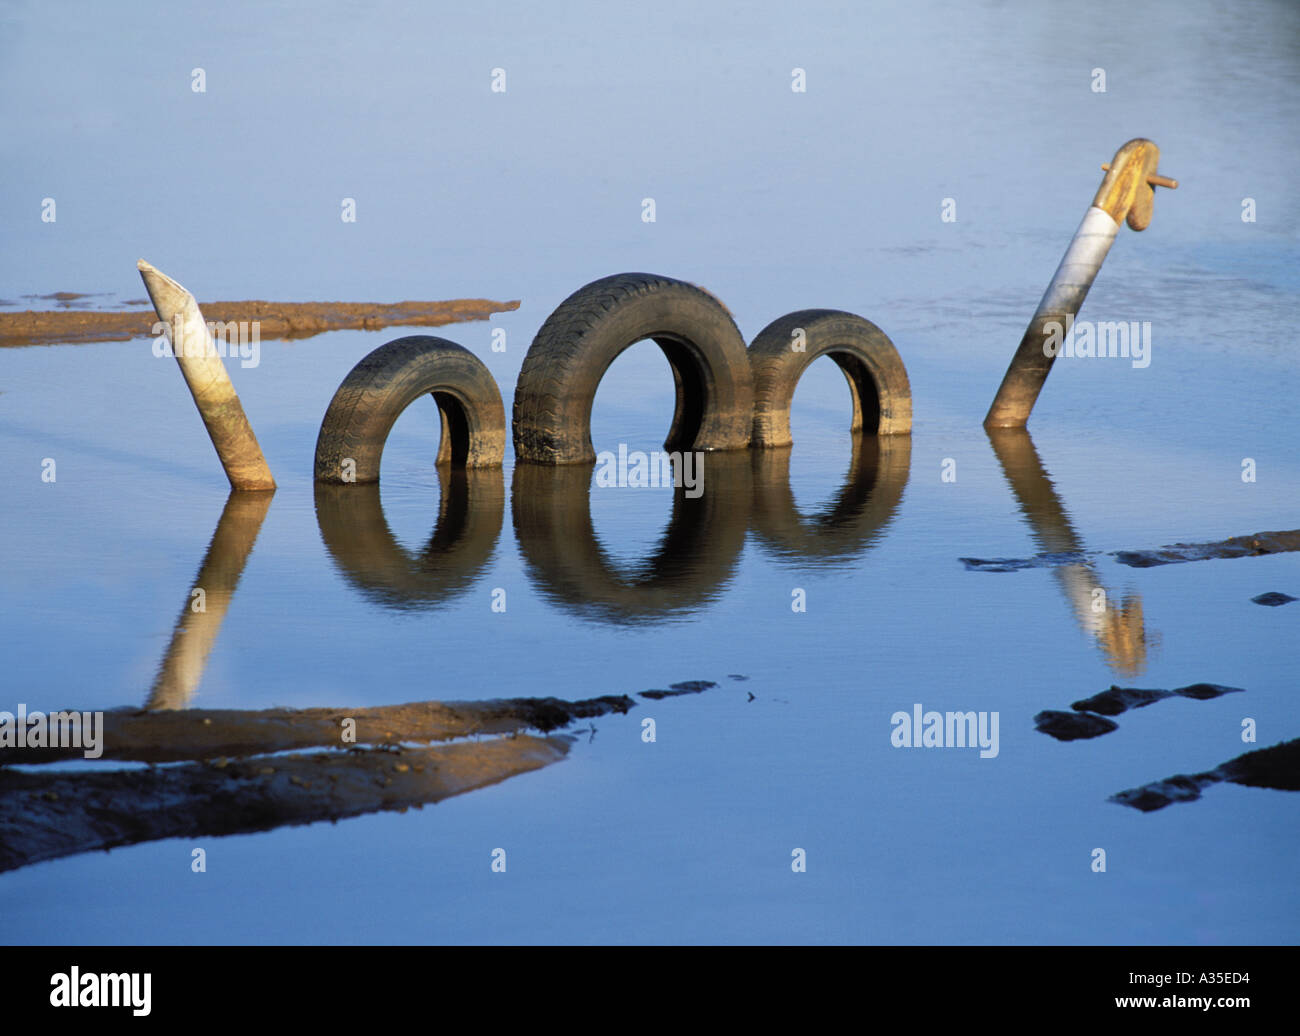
774 201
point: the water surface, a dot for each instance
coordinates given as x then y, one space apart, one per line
774 201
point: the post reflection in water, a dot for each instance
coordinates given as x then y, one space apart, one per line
471 507
1120 631
196 631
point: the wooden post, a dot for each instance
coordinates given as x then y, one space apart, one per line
209 384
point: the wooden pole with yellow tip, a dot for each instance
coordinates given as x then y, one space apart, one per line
209 384
1127 195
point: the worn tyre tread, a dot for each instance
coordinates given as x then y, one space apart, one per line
559 375
882 394
385 382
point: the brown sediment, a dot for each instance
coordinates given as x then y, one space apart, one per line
51 814
172 735
275 319
44 816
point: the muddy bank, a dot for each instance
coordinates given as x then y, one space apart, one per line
275 319
1257 545
45 816
164 736
224 778
1277 767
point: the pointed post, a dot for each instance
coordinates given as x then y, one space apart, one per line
209 384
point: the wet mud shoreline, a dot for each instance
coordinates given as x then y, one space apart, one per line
225 771
275 319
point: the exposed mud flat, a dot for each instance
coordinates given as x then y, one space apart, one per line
45 816
1277 767
275 319
172 735
227 778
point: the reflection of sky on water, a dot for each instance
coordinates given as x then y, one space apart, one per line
774 202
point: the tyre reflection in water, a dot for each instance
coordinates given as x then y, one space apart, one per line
471 506
854 519
696 557
690 566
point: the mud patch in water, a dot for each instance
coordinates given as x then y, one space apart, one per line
368 763
1089 718
274 319
1277 767
1116 700
1257 545
1073 726
676 689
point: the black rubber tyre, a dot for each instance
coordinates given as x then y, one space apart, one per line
357 536
578 342
882 395
382 385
